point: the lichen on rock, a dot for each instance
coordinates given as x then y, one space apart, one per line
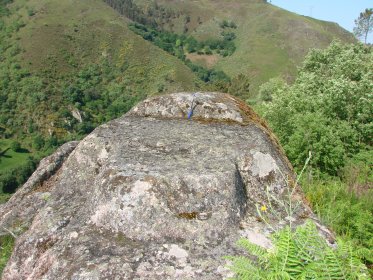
153 195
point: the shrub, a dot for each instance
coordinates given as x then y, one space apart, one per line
328 108
15 146
38 142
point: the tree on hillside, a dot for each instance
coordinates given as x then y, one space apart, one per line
328 109
364 24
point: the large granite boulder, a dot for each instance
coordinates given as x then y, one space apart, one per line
153 195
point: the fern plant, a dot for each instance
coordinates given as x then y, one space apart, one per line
301 254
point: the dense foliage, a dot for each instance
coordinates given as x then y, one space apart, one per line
180 45
328 109
52 105
228 24
154 15
302 254
94 95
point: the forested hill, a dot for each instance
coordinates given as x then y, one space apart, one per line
67 66
269 41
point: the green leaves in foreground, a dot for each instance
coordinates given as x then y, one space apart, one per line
299 254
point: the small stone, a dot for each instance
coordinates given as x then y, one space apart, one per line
177 252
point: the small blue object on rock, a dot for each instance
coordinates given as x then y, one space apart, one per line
190 113
192 106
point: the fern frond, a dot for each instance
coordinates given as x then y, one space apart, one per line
254 249
308 242
244 268
330 267
354 268
309 273
279 276
286 254
364 253
300 255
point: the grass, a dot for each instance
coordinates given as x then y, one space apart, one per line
6 248
341 208
348 213
80 33
11 159
204 60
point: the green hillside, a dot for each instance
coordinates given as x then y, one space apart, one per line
66 67
270 41
66 60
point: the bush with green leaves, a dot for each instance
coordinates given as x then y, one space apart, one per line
15 146
300 254
328 109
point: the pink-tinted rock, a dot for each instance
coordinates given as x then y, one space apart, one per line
152 195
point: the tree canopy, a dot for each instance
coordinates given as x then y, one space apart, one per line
328 109
364 24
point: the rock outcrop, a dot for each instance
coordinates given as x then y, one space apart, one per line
153 195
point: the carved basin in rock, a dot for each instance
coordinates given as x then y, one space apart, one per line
152 195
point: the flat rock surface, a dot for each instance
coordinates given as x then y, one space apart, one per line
153 195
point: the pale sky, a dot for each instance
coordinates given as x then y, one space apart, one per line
343 12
